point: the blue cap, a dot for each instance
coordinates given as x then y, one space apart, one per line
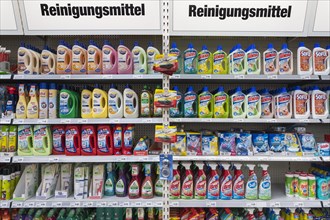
238 46
176 88
136 43
174 45
220 89
205 89
253 89
270 45
106 42
282 90
284 46
301 44
151 44
317 45
315 88
219 47
328 47
127 86
238 89
190 45
121 42
253 46
43 86
52 86
296 88
76 42
190 89
204 47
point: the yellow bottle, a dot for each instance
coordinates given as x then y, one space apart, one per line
86 103
33 105
205 61
21 107
100 103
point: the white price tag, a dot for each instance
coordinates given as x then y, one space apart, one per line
4 204
30 204
177 119
252 204
272 77
54 159
65 77
304 120
138 204
116 121
239 77
75 204
298 204
126 204
137 76
275 204
271 120
18 204
42 121
57 204
305 77
239 120
174 204
114 204
20 159
107 77
19 121
89 204
83 121
176 76
19 76
211 204
123 158
41 204
206 120
206 76
159 204
65 121
6 159
149 204
149 120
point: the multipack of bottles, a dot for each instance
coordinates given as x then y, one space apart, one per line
8 139
9 177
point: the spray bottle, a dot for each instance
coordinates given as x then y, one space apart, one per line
265 186
251 189
226 183
109 186
122 182
147 191
250 215
213 184
158 183
187 190
200 183
175 184
238 182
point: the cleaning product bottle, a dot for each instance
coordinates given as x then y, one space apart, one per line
238 103
88 140
86 103
52 101
117 140
131 103
283 104
72 141
100 103
94 54
322 187
253 104
250 215
115 103
205 103
177 111
36 60
109 59
58 132
301 103
319 101
251 189
321 60
125 59
104 140
187 189
238 182
25 139
265 186
43 100
200 182
42 140
253 60
237 64
140 59
267 104
190 60
48 61
304 60
21 107
260 214
33 105
205 61
24 60
134 188
221 103
285 61
109 185
190 103
128 138
122 181
158 183
147 191
158 111
79 58
175 184
175 50
226 183
151 52
68 103
270 59
11 102
64 58
146 102
220 61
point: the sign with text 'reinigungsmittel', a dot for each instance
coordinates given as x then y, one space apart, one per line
91 16
238 16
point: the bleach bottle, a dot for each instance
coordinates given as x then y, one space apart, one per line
265 185
267 104
253 104
253 60
94 59
226 183
79 58
237 64
151 53
125 59
304 60
190 103
131 103
109 59
220 61
177 111
238 182
221 104
205 103
115 103
175 50
238 103
139 59
190 60
285 61
270 59
204 61
320 104
301 103
321 60
283 104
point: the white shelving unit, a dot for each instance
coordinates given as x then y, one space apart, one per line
241 120
248 158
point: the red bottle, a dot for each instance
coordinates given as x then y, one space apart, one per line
88 140
128 136
72 140
117 140
58 139
104 140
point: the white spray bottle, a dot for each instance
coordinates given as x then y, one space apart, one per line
265 185
251 189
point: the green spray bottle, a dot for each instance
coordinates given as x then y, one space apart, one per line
109 186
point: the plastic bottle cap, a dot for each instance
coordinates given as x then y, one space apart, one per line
317 45
253 89
151 44
43 86
219 47
328 47
190 45
301 44
315 88
204 47
121 42
284 46
174 45
253 46
176 88
127 86
205 89
238 89
136 43
270 46
190 89
220 89
238 46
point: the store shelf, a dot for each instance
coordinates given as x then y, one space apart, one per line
90 203
5 76
326 204
5 121
326 121
241 120
247 158
325 77
279 199
5 159
5 204
326 159
89 121
83 159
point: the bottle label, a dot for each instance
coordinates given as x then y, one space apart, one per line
253 62
189 61
204 105
106 59
64 103
62 60
301 104
109 187
213 191
58 134
238 62
159 188
86 104
175 187
253 102
128 138
320 60
113 103
85 140
147 189
226 188
21 67
266 105
238 102
187 187
251 188
204 65
270 62
305 60
189 101
69 142
129 103
219 105
78 64
38 140
120 187
265 188
92 60
285 62
320 103
238 188
138 61
219 63
123 59
200 188
23 135
151 60
102 140
133 189
97 108
282 105
46 58
117 138
145 104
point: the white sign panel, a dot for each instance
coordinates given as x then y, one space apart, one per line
322 16
9 19
100 16
243 16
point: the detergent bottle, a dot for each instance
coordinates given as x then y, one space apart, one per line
117 140
53 101
68 103
25 140
220 61
140 59
146 100
265 186
21 107
43 100
131 103
115 103
36 62
238 182
48 61
79 58
134 187
267 104
58 132
321 60
252 60
109 185
122 181
221 103
205 61
283 104
64 58
151 52
253 104
320 103
177 111
270 59
94 55
88 140
109 59
226 183
128 138
251 189
304 60
237 64
175 184
100 103
86 103
42 140
147 191
158 111
301 103
205 103
72 141
175 50
190 103
200 182
33 105
104 140
187 189
190 60
285 61
24 60
238 103
125 59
